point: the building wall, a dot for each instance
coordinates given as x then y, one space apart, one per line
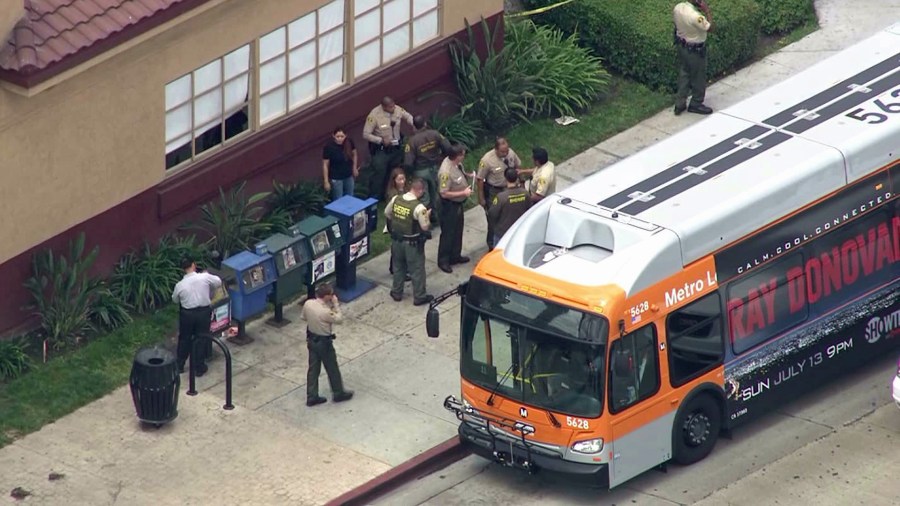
87 154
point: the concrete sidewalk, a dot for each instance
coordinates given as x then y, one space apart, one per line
272 449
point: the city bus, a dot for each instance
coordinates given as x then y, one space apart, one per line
635 316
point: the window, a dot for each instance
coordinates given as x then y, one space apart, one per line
634 368
694 334
387 29
767 303
207 107
301 61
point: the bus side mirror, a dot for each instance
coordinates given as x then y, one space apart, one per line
433 322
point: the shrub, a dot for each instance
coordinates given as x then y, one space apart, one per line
782 16
457 128
109 310
290 203
635 38
68 302
567 77
13 359
144 278
491 89
233 223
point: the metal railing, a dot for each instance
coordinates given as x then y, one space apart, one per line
192 386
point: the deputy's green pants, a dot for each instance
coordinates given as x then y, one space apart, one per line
691 76
408 257
321 352
431 198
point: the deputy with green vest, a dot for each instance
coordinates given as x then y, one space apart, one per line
408 221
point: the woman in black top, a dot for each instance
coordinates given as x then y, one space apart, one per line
339 165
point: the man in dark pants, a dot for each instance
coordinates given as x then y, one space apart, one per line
320 314
490 178
509 205
409 223
453 185
192 294
423 154
382 130
693 21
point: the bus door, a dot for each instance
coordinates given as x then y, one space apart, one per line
641 434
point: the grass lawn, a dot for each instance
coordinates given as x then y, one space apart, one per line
74 379
85 374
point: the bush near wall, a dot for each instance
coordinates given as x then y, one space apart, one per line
635 37
782 16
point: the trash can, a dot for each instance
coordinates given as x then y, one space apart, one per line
154 385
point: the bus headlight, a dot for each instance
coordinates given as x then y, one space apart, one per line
588 446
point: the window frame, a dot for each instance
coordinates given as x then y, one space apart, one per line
613 409
224 115
721 323
285 52
382 34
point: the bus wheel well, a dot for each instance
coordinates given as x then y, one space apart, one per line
698 424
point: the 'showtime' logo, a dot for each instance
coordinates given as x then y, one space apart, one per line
883 326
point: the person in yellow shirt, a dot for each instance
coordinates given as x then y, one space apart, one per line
693 21
543 176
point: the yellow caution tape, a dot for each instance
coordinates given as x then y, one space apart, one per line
539 10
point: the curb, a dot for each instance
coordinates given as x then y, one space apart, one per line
421 465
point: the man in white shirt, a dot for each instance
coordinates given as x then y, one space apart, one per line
543 176
693 21
192 294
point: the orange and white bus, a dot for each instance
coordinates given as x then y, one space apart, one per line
632 317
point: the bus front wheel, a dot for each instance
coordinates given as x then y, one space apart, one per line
696 430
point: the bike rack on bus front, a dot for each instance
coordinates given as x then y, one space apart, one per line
467 414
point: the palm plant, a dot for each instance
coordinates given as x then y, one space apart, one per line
14 359
233 223
457 128
567 77
491 90
62 294
296 201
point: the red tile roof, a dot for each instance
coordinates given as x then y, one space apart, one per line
52 30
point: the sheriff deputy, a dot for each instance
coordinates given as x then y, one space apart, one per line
382 130
409 221
490 179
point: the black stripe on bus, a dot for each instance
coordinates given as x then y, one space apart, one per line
676 170
777 120
846 104
835 91
729 162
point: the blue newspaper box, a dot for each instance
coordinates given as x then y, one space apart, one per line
358 219
254 275
323 236
291 254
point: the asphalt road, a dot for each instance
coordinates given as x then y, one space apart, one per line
838 445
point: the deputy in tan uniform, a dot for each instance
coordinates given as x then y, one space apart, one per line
509 205
543 176
453 184
408 220
490 178
693 21
382 130
423 154
320 314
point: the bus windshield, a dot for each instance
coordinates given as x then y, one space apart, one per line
533 351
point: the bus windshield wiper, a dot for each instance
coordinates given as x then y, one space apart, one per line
490 400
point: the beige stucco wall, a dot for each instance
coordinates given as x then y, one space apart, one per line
96 137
